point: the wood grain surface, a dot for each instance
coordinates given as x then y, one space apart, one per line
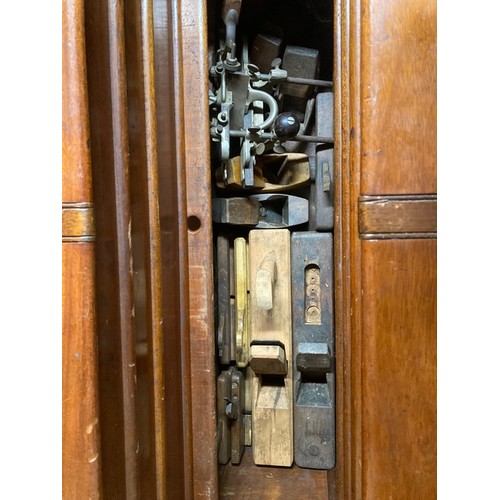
387 147
345 479
81 457
250 482
81 453
105 38
272 406
173 225
397 216
398 97
147 92
78 222
146 249
341 129
142 268
193 84
399 369
76 173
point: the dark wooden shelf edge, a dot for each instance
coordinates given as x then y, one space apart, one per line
248 480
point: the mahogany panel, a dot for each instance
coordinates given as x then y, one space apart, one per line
368 469
81 454
81 459
398 96
76 173
398 347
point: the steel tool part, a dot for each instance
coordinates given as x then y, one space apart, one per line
264 211
245 100
235 413
230 16
223 431
281 210
230 405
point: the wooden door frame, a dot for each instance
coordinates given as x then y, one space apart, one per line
350 40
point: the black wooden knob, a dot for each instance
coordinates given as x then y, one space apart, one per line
286 126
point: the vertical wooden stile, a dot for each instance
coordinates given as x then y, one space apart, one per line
386 99
107 84
193 86
81 452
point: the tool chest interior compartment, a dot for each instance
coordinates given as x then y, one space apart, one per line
272 173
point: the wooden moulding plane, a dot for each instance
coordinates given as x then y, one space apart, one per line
271 347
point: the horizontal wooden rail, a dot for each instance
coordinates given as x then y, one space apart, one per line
78 222
397 216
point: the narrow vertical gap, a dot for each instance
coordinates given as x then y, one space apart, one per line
336 477
352 284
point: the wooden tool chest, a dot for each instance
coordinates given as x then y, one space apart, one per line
151 213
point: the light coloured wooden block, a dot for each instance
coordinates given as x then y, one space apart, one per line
268 359
264 282
272 403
